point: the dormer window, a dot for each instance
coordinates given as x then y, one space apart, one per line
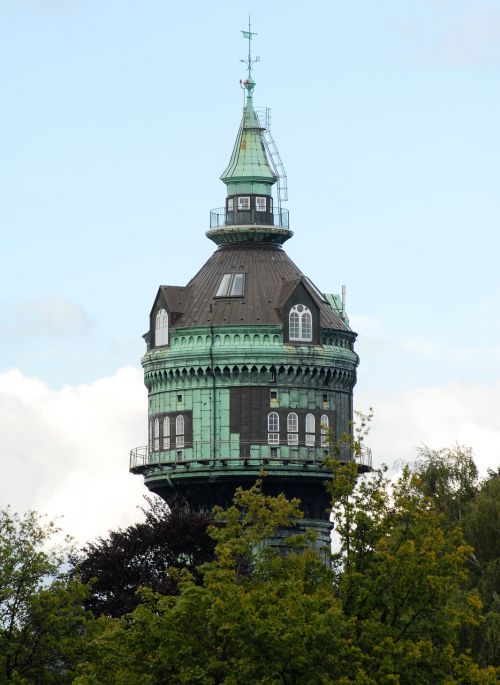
161 328
300 323
244 202
260 204
231 285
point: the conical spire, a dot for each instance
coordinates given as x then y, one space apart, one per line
249 170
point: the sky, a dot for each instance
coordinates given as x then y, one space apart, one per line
116 121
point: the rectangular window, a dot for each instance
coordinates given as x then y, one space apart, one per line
260 204
274 452
274 398
230 204
273 438
237 286
179 398
243 203
310 439
293 438
231 285
179 441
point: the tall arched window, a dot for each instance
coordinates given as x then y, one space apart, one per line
292 427
273 428
300 323
179 431
166 433
161 328
324 429
310 430
151 435
157 435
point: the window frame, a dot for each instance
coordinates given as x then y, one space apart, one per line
300 323
243 203
261 199
161 328
227 285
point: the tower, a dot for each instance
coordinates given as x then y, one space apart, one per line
248 366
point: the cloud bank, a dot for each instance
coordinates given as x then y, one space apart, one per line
65 452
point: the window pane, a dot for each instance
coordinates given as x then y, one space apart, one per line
273 438
179 441
224 286
294 326
310 439
260 204
237 287
273 422
306 326
230 204
243 203
293 438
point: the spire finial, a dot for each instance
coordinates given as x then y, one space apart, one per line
249 84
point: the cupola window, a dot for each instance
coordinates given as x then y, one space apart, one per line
179 431
166 433
260 204
292 425
231 285
324 427
243 203
157 435
161 328
300 323
310 430
230 204
273 427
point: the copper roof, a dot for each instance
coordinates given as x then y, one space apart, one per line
270 279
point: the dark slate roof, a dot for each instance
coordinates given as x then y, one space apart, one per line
270 279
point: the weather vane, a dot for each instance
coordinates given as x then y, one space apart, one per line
249 61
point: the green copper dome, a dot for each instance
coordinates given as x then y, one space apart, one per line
249 170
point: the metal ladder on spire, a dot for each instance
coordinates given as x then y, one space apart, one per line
274 158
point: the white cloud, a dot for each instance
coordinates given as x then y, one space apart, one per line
65 452
461 32
437 416
45 317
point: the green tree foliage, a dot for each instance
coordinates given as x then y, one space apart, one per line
390 611
42 619
449 477
141 556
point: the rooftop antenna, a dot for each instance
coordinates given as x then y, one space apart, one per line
249 61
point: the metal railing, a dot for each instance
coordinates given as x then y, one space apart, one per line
220 218
240 453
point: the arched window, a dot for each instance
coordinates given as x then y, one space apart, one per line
292 426
161 328
157 435
166 433
310 430
273 428
324 429
179 431
151 435
300 323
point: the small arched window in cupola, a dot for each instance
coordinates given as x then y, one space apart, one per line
161 328
300 323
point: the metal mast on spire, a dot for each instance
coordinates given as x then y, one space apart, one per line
249 61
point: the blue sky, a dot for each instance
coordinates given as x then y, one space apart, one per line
118 117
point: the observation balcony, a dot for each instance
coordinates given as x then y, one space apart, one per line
220 218
239 225
228 455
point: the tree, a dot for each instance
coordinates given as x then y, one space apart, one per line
42 619
141 556
390 611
